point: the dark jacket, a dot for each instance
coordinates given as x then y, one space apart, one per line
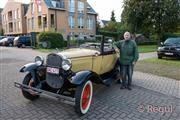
128 51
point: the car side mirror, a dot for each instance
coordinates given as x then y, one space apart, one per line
162 43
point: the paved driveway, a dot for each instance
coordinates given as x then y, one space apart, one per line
144 102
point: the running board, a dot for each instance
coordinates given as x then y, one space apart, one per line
108 82
65 99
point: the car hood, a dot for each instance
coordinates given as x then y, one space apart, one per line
78 52
172 45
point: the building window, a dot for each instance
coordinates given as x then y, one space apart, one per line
32 8
58 3
19 25
10 16
71 5
80 22
29 23
18 14
14 26
39 22
11 27
32 23
71 22
15 14
3 18
52 20
80 7
39 8
90 23
44 21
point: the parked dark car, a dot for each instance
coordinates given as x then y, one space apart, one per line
22 41
8 41
1 40
170 48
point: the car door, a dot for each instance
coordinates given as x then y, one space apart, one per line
81 63
97 61
108 62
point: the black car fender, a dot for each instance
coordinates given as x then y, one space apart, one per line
29 67
82 76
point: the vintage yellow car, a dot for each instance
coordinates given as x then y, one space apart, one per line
69 74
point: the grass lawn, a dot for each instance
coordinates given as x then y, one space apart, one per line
162 67
147 48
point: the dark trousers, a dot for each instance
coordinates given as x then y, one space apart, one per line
126 73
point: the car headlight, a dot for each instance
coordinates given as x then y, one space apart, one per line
160 48
39 60
66 64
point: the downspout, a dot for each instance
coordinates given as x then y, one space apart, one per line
56 19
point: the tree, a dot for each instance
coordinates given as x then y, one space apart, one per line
113 18
98 26
156 16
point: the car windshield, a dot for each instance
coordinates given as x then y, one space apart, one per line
172 41
91 43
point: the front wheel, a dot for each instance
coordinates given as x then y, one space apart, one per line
29 82
83 97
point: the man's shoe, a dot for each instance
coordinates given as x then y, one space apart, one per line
122 87
129 88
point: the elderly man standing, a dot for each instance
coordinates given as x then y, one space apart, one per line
128 58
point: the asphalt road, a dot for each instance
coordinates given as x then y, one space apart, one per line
109 103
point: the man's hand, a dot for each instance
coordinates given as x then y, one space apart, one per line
134 63
117 50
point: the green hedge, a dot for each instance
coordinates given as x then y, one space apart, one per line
169 35
54 39
148 43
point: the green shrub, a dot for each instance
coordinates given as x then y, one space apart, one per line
54 39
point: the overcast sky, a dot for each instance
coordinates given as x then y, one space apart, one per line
102 7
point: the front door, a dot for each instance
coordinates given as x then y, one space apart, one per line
108 62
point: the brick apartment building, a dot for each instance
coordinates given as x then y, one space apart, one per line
69 17
13 18
1 19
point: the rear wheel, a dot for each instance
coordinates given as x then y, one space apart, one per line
29 82
23 45
83 96
10 44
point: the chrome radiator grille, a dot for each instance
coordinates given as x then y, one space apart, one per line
54 80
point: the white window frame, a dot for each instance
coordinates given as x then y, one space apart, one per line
71 22
90 23
19 25
71 5
39 8
32 8
80 22
80 7
32 23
